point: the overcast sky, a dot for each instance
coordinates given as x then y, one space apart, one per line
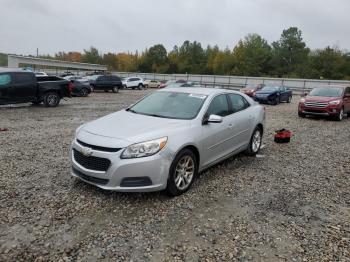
117 26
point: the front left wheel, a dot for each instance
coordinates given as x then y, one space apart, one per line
115 89
255 142
182 172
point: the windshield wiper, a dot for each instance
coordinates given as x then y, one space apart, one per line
132 111
155 115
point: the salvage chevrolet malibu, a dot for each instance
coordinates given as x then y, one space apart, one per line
165 139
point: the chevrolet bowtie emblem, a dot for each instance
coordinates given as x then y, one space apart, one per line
86 151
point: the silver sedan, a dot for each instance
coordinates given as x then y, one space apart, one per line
164 140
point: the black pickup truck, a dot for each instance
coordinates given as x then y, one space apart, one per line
20 86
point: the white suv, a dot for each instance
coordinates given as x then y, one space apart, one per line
133 82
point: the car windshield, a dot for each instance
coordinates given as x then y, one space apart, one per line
175 105
326 91
269 88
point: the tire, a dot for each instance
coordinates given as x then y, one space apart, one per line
124 87
177 182
51 99
140 86
302 115
340 116
255 142
289 99
348 115
115 89
275 101
84 92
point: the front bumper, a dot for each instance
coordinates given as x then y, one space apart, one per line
330 110
147 173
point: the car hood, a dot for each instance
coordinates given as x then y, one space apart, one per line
265 92
128 127
320 98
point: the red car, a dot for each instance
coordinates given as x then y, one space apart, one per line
250 90
326 101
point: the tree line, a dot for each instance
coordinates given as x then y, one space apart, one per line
252 56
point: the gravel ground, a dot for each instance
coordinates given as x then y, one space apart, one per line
290 204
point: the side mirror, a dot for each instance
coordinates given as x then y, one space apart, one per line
212 119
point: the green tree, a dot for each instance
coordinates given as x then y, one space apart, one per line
252 56
155 60
191 58
290 54
3 59
328 63
92 56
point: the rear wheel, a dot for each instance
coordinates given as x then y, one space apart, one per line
255 142
140 86
115 89
289 99
182 172
51 99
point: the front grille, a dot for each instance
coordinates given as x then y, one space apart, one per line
96 180
316 104
91 162
98 148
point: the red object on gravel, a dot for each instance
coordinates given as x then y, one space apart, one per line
283 136
3 129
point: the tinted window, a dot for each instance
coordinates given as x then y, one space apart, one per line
115 78
238 103
218 106
282 88
48 78
5 79
23 78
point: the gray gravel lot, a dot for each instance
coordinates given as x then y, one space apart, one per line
291 204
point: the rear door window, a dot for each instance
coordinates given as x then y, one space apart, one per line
5 79
23 78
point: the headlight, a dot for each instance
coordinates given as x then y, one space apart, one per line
335 102
145 148
302 100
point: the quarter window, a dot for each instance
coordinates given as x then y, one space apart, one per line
218 106
5 79
238 102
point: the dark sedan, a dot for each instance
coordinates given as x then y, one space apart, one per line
80 88
273 95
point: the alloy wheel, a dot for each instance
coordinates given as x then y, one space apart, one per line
256 141
184 172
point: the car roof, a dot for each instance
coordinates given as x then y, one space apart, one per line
199 90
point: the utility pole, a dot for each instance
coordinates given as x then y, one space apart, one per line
37 52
